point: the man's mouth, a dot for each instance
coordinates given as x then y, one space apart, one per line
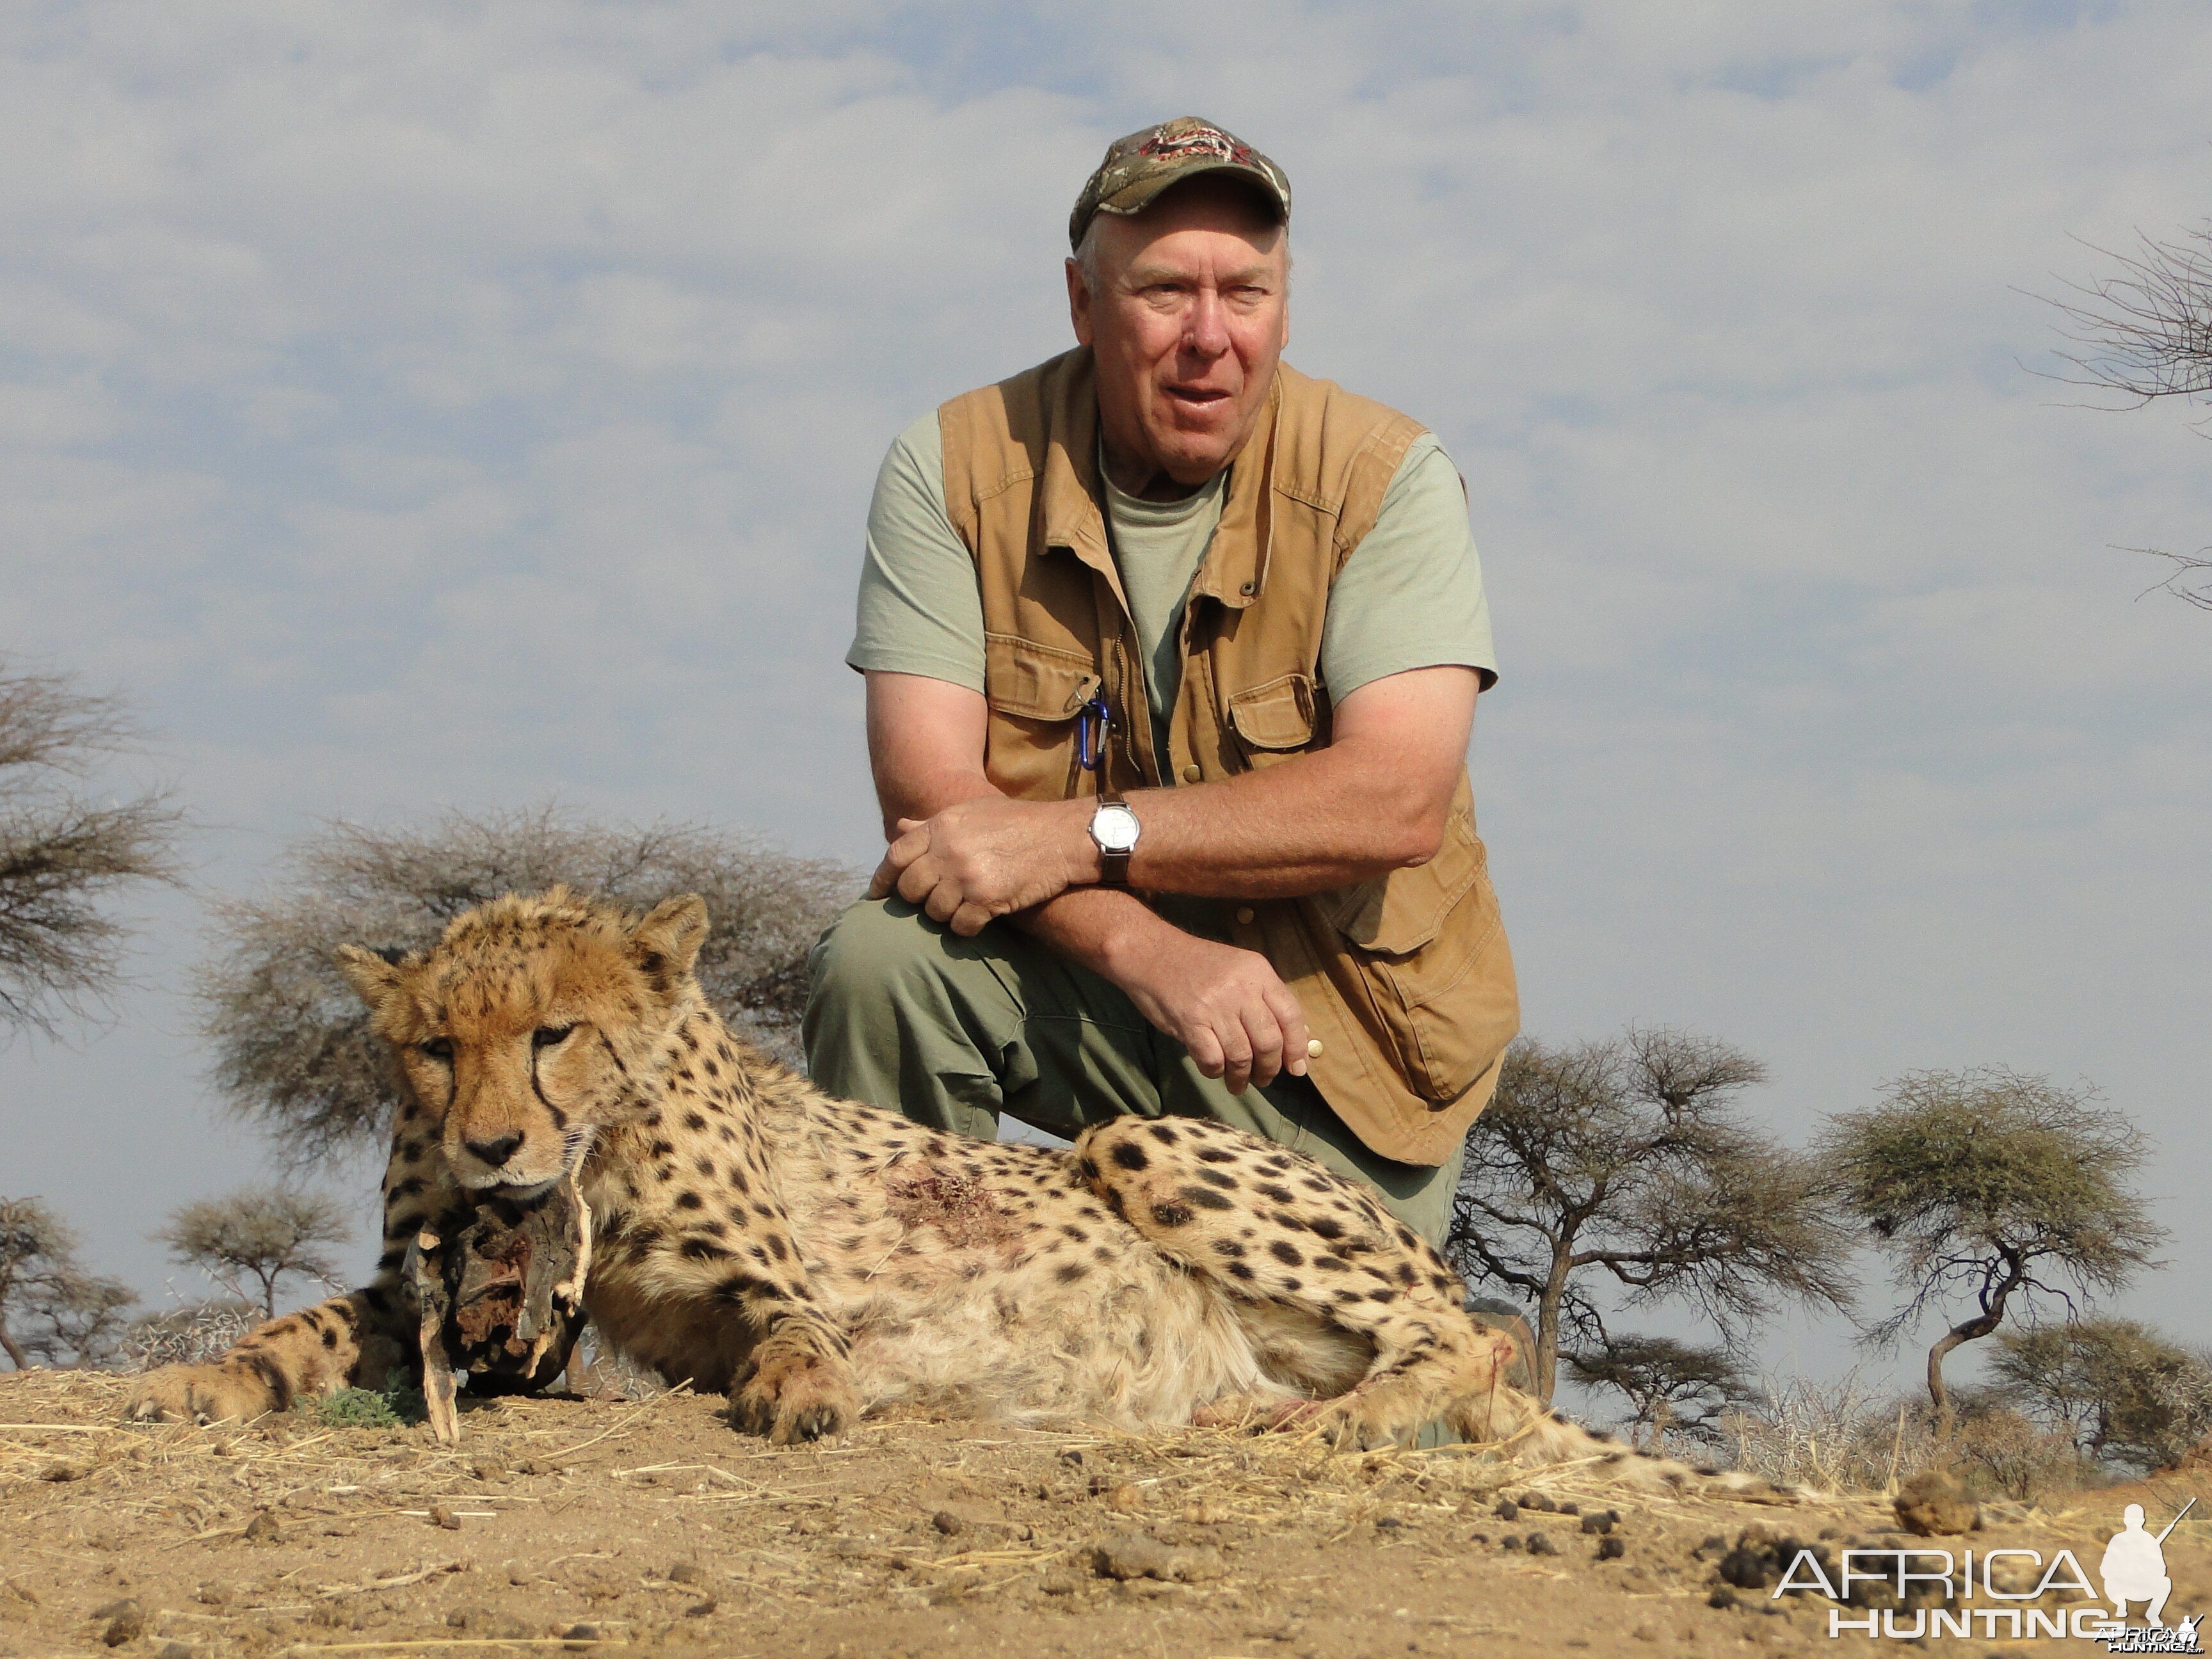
1198 396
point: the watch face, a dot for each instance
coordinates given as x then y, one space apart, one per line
1115 828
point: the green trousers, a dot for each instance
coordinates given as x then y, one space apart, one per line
954 1032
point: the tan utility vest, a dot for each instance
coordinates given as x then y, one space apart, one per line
1406 979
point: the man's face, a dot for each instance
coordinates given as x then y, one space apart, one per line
1190 314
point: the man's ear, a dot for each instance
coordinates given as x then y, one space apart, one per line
374 975
1080 300
666 943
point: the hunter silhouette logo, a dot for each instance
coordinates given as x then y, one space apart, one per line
2134 1570
1970 1599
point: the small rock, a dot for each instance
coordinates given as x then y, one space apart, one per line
1712 1549
1512 1541
1570 1509
701 1609
114 1609
1204 1513
1508 1509
948 1523
218 1449
1124 1496
1538 1501
174 1651
687 1572
487 1468
1749 1567
126 1622
1127 1555
1072 1459
1611 1549
1387 1523
59 1472
1722 1596
581 1633
263 1528
1646 1633
1598 1520
1540 1543
1933 1503
1057 1583
442 1516
212 1595
1478 1538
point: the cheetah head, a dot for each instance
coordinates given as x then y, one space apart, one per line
521 1032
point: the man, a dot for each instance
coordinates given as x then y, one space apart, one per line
2134 1568
1172 656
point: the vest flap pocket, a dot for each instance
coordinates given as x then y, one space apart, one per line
1035 682
1276 715
1429 950
1396 914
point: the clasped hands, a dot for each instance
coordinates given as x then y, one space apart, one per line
989 857
981 859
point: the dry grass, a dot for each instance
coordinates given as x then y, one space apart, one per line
1843 1437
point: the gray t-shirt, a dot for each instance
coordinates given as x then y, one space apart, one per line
1409 597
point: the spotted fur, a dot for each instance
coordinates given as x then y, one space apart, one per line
814 1259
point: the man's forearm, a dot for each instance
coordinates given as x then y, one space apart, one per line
1322 820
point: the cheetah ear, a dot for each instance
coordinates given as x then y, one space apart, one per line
666 943
374 975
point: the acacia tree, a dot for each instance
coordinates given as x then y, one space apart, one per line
292 1044
2116 1388
2146 334
1996 1187
1669 1385
262 1233
64 851
1633 1156
49 1307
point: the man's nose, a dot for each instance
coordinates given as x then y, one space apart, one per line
493 1152
1204 329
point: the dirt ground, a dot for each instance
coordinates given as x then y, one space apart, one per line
563 1524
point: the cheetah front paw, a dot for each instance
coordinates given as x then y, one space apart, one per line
198 1393
796 1395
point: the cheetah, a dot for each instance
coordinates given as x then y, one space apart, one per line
815 1260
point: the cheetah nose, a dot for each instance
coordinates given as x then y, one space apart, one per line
494 1152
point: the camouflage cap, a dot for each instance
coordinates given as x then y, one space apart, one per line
1138 167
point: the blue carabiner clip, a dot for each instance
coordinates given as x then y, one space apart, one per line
1092 722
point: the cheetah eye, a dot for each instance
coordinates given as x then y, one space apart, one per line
546 1035
440 1049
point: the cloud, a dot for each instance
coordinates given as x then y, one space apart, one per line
420 405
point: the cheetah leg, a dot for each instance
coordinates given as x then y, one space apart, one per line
1270 1226
355 1340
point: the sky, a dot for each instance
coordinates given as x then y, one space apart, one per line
434 405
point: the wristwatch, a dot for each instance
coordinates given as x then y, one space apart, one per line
1114 830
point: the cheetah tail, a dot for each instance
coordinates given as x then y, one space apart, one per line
1529 1434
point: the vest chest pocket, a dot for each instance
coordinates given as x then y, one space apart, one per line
1034 692
1430 945
1275 720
